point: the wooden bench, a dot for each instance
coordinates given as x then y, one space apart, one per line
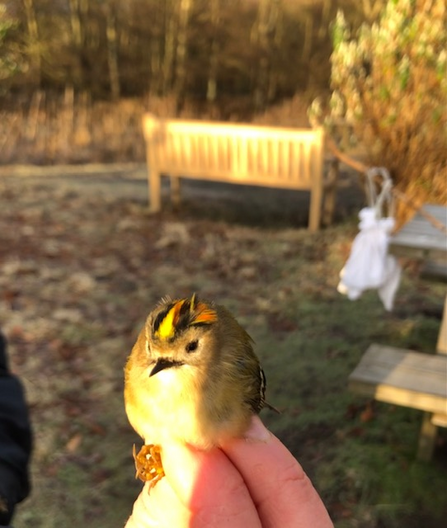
241 154
420 239
434 270
407 378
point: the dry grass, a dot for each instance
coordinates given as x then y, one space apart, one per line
291 112
71 129
61 129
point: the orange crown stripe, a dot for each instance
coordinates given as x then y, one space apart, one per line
205 315
177 320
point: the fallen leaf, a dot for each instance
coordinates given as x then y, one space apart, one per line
73 444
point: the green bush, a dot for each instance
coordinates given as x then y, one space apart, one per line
8 54
389 83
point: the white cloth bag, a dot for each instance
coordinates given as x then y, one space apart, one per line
369 266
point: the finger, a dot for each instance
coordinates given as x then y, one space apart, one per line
142 514
282 492
165 507
210 487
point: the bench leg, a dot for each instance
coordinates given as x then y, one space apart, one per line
315 209
154 191
175 191
427 438
329 196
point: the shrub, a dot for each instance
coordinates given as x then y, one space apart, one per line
389 83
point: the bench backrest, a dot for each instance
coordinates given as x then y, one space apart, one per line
441 347
256 155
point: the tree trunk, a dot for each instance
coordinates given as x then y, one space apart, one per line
155 85
33 39
182 49
75 22
267 36
78 23
157 36
276 22
211 89
112 52
308 33
169 48
325 18
262 66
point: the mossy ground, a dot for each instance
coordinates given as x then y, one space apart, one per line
82 265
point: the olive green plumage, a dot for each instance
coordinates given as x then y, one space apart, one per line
192 375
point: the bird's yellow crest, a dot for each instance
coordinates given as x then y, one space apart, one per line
166 330
181 314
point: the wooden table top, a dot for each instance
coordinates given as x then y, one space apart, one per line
421 239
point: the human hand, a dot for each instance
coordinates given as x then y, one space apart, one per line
252 482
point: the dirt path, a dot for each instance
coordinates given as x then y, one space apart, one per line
250 205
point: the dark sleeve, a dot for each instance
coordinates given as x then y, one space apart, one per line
15 440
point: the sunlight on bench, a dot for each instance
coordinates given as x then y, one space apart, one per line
239 154
411 379
402 377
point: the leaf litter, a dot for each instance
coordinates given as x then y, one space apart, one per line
80 268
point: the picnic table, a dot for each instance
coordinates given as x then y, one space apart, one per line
405 377
421 239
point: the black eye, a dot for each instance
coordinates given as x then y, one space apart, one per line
192 346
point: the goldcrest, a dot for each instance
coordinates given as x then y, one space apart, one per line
192 376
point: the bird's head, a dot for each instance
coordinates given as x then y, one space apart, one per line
180 332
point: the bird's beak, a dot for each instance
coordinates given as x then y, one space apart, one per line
164 363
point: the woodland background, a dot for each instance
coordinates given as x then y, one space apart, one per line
77 74
212 50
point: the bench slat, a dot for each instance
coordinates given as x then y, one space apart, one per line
420 233
402 377
440 420
251 155
441 346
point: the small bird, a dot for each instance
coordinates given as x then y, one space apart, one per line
193 376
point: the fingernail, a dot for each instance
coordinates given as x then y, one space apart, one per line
257 432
